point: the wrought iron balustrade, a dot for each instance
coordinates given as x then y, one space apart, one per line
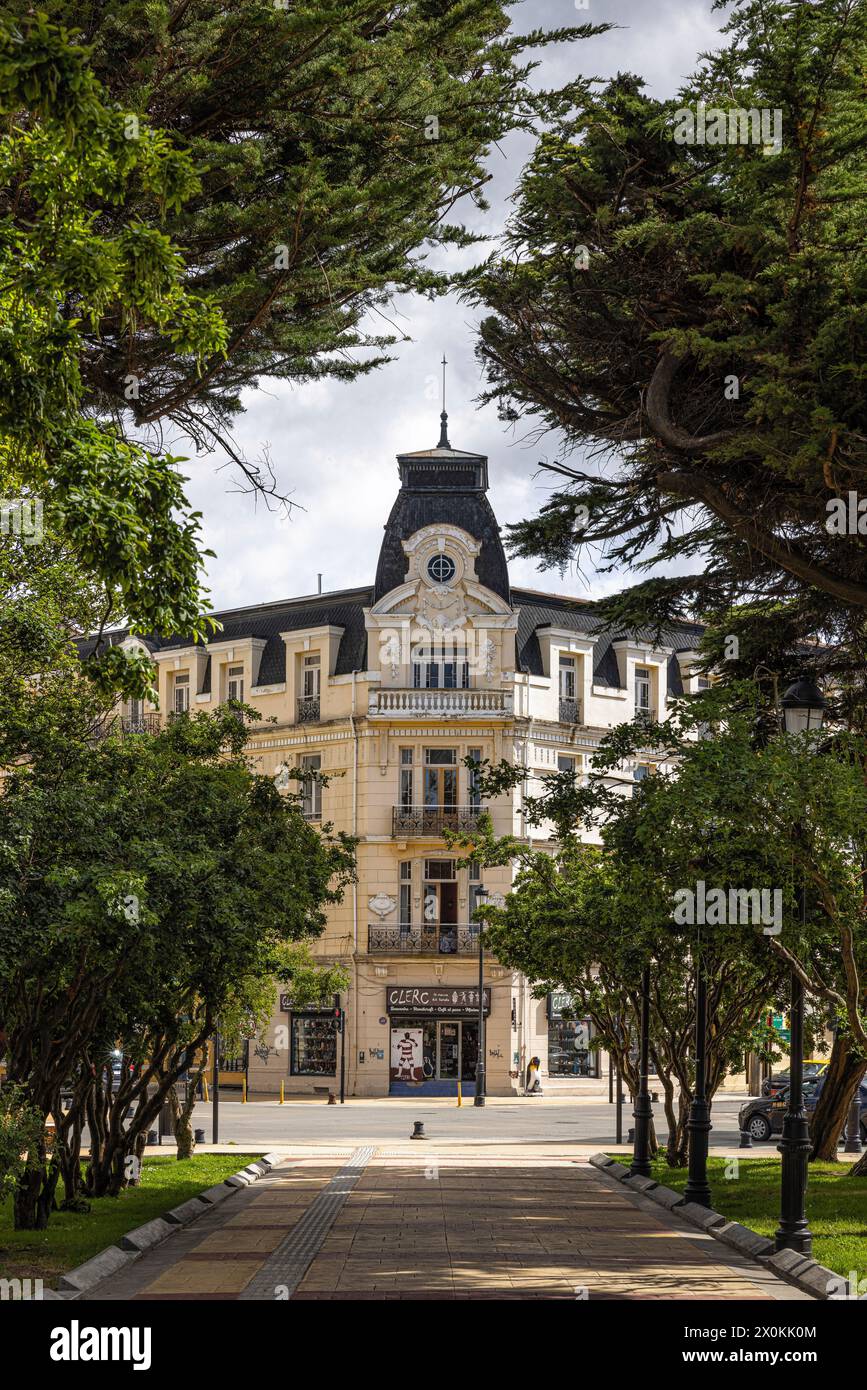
427 940
409 821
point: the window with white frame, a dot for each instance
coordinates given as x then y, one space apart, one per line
440 668
181 692
235 683
642 690
311 787
405 791
405 889
311 677
568 678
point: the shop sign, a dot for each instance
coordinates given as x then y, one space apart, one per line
286 1007
560 1001
443 1000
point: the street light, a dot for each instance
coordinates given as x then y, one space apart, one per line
803 707
643 1111
699 1125
803 710
482 896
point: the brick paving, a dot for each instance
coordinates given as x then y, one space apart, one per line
417 1224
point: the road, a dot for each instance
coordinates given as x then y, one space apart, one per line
568 1123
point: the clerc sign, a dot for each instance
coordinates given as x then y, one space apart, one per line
453 1000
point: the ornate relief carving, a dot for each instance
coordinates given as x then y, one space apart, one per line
382 904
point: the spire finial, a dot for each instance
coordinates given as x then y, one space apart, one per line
444 419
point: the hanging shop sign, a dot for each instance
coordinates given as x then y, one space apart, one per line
286 1007
560 1002
441 1000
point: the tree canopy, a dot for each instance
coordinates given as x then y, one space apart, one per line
690 314
330 143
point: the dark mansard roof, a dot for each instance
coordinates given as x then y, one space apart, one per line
437 486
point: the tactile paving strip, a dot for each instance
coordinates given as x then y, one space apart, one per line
283 1271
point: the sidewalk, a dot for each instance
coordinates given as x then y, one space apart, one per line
414 1222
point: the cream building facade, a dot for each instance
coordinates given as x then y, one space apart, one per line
387 689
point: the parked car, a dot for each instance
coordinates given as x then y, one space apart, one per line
762 1116
813 1068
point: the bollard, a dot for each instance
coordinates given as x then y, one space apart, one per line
281 1092
460 1102
418 1130
332 1099
243 1090
746 1140
205 1087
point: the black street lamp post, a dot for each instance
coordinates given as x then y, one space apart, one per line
479 1097
643 1111
803 709
698 1125
793 1233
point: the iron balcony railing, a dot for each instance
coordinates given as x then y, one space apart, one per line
428 940
143 724
410 821
570 710
645 715
308 709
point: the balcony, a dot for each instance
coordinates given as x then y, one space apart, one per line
308 709
645 715
143 724
439 704
570 711
412 822
423 941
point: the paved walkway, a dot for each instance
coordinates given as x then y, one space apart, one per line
415 1223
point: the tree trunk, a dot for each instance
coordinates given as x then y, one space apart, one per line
859 1169
843 1074
34 1198
182 1119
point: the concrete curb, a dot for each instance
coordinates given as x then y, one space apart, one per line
133 1244
804 1272
799 1270
147 1236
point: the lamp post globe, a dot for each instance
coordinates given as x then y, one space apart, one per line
803 707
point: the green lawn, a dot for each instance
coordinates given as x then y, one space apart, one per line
836 1204
72 1237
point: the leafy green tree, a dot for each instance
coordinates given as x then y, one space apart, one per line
70 252
691 316
147 884
784 815
332 143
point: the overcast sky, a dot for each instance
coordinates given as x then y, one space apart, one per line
333 446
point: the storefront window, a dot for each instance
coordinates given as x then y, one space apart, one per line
569 1052
314 1045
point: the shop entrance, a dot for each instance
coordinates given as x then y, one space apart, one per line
431 1055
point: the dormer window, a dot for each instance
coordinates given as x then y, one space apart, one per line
568 675
181 692
643 708
235 683
308 700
